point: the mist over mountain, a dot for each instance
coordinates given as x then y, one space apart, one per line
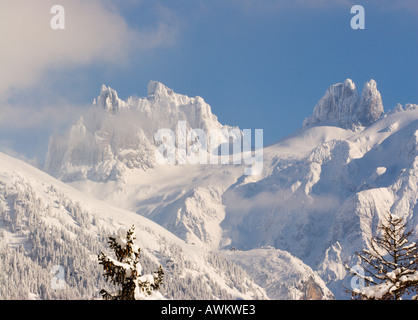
117 135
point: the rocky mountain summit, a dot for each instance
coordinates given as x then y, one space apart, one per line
342 105
116 135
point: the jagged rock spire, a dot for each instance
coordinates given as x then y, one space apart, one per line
342 105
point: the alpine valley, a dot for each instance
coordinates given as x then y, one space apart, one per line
220 230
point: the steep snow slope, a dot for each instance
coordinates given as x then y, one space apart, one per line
186 200
51 223
325 206
190 200
281 274
45 223
384 178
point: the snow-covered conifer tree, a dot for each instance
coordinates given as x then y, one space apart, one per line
126 271
390 265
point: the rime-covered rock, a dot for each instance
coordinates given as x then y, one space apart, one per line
342 105
117 135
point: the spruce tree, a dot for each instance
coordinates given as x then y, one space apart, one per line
390 265
126 271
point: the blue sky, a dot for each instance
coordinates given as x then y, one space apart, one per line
260 64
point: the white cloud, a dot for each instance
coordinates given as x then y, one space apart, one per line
25 130
33 55
94 31
15 118
278 199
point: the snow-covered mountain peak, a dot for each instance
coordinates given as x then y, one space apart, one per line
121 134
109 100
163 102
371 106
156 88
341 105
348 83
370 85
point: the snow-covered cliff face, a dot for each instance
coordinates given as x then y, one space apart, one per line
371 107
324 206
116 135
342 105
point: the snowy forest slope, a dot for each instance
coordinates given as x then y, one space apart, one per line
45 223
48 226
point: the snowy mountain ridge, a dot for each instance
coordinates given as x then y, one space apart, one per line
117 135
318 199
